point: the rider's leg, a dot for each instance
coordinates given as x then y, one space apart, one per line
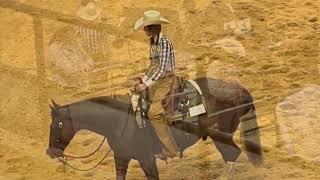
157 117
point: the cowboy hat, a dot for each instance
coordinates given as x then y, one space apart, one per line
89 12
150 18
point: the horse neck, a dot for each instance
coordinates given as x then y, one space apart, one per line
103 119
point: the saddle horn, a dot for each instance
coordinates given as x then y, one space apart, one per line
55 105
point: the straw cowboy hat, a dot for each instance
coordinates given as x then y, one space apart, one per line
89 12
150 18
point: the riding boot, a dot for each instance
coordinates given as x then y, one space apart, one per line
164 134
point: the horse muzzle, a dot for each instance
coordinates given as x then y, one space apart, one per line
54 152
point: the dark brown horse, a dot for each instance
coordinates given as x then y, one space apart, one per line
228 105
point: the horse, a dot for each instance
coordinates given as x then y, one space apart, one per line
227 104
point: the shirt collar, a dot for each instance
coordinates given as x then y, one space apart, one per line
158 38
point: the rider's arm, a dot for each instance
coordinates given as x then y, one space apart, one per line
144 79
149 71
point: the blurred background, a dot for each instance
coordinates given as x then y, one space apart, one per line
270 47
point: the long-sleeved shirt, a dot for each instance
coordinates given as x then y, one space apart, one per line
162 60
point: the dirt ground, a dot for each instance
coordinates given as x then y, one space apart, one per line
271 47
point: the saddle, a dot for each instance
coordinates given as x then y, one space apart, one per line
184 102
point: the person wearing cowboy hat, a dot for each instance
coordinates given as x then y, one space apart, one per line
94 41
158 78
89 10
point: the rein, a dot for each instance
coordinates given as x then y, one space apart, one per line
64 161
99 163
86 156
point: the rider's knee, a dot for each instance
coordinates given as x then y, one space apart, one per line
155 113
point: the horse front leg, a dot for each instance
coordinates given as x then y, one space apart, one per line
121 167
150 169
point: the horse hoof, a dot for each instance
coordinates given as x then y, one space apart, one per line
120 177
227 171
225 176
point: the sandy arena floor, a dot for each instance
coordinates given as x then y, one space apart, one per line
271 47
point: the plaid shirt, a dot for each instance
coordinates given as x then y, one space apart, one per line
162 60
94 41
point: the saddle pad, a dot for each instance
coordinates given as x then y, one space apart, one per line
200 108
197 110
195 85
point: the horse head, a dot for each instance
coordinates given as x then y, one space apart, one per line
61 130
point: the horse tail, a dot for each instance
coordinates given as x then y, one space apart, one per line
250 134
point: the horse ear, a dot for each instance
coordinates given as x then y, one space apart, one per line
56 106
51 107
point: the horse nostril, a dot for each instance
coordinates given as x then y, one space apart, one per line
49 153
54 152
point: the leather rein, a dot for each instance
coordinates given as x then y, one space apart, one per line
65 156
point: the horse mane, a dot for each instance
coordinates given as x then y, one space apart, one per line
117 101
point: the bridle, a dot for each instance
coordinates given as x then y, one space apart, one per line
61 125
64 158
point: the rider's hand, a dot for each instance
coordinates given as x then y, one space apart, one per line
141 87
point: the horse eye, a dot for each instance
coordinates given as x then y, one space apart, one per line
60 125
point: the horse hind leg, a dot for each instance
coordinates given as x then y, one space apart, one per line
121 165
222 136
227 171
225 145
229 151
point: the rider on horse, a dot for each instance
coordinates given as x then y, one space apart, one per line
159 78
